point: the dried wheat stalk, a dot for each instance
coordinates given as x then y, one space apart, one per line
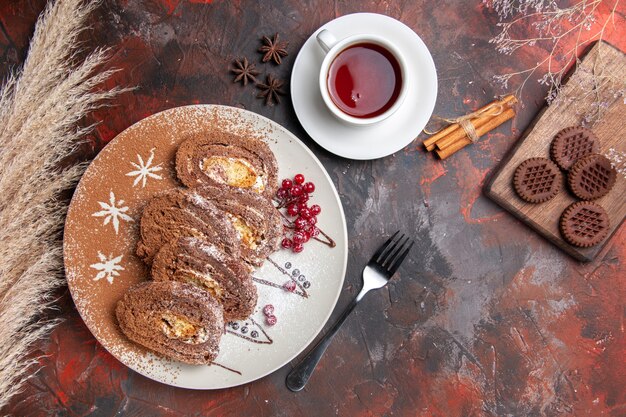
40 108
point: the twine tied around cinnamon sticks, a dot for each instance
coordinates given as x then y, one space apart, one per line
467 129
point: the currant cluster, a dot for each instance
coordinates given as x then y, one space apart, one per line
290 286
294 195
268 312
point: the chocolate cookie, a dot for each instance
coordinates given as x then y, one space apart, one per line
174 319
257 222
537 180
173 214
192 260
591 177
222 158
584 224
571 144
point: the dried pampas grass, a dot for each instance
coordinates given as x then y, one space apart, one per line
40 108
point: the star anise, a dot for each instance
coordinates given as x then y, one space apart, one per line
271 90
273 49
244 71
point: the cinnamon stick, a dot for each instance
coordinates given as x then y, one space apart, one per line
431 141
478 123
487 127
457 135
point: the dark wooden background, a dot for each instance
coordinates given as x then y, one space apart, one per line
485 319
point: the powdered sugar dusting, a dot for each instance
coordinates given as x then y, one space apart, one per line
145 170
108 267
209 249
203 203
113 212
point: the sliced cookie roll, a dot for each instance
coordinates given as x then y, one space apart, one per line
174 319
173 214
257 222
192 260
222 158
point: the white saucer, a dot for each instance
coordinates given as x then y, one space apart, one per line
388 136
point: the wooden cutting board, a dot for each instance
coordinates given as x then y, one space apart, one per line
610 130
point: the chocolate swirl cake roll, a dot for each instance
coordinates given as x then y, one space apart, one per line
222 158
173 214
174 319
257 222
192 260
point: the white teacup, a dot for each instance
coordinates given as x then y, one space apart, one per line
333 47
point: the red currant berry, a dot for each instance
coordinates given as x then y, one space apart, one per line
296 190
286 243
298 237
299 178
302 205
309 187
312 220
292 209
300 223
303 198
289 286
314 231
305 213
315 209
270 320
281 193
306 235
287 183
268 310
298 248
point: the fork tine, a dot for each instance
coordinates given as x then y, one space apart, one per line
383 247
396 263
393 252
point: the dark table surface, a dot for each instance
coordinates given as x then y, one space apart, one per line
486 318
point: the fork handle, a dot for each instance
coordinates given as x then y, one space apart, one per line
300 374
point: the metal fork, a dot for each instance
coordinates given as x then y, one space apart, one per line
376 274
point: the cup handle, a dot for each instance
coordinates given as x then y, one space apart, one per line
326 40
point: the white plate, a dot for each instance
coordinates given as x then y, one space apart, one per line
388 136
300 319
